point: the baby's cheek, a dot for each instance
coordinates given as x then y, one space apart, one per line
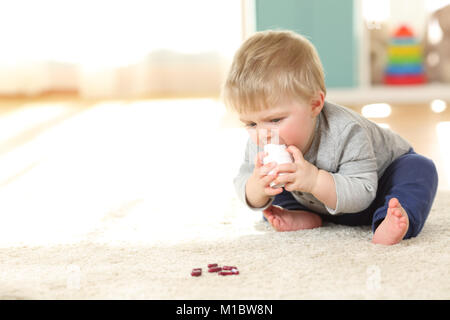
289 137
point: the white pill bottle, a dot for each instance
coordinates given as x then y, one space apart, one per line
277 153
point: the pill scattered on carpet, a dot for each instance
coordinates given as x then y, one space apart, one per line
214 267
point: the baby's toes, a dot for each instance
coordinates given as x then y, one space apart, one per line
390 212
394 203
276 223
403 220
397 213
268 211
269 217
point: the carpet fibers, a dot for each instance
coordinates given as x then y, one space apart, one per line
332 262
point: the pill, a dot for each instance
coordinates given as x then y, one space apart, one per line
214 269
228 267
225 273
196 272
235 271
211 265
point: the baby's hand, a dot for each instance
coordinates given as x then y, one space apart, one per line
258 189
300 175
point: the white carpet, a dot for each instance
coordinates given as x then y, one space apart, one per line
89 212
332 262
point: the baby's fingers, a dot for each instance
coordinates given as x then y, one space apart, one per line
268 190
273 191
266 169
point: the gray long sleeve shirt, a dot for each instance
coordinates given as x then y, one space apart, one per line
353 149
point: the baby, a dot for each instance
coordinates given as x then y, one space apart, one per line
345 170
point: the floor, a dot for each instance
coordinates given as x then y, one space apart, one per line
67 166
122 198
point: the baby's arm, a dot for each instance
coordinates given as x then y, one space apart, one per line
325 189
351 189
355 191
356 179
303 176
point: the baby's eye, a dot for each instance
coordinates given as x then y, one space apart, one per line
276 120
250 125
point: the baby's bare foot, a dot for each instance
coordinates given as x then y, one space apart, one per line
394 226
291 220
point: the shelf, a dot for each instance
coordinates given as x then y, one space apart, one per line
390 94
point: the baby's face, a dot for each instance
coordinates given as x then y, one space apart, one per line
294 121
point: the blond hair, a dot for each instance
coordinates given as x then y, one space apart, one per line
269 66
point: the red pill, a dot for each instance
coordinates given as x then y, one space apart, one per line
214 269
226 273
196 272
228 268
211 265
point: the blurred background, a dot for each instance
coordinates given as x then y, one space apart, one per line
135 49
116 48
112 106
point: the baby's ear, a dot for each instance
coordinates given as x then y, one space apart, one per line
317 103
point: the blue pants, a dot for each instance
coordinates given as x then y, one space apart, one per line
411 178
